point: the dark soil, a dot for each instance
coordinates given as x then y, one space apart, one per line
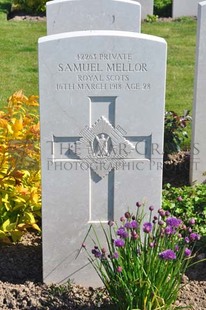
20 15
176 169
21 284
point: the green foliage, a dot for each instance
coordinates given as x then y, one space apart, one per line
151 18
30 6
143 262
174 131
163 8
20 204
187 202
5 6
59 290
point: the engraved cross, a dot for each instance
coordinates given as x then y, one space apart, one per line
101 149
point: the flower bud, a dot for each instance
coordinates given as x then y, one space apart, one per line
179 198
127 215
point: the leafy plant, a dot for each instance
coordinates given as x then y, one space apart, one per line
175 133
20 204
30 6
151 18
187 202
143 263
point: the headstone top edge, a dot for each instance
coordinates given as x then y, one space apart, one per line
50 3
99 33
202 3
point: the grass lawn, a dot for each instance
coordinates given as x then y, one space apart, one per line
181 40
19 66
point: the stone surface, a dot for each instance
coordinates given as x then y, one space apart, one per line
73 15
198 147
184 8
102 99
147 8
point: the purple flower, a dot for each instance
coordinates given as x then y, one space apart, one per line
147 227
134 224
173 222
127 215
192 221
115 255
128 225
179 198
169 230
122 233
122 219
187 240
119 243
187 252
160 222
134 235
96 253
176 248
161 212
119 269
110 223
167 213
151 208
138 204
167 255
194 237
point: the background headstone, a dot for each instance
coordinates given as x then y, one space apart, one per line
97 87
147 8
198 146
184 8
73 15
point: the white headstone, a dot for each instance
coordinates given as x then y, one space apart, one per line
147 8
102 99
198 146
184 8
74 15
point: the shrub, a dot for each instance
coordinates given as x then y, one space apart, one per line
174 131
151 18
20 205
143 262
187 202
30 6
163 8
